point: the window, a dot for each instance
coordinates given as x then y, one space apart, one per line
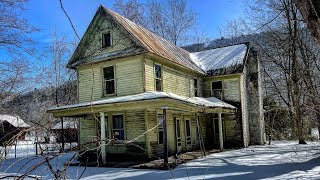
195 81
178 132
117 127
217 89
106 40
109 81
106 127
160 129
188 133
158 77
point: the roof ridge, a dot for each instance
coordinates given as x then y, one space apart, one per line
174 53
144 29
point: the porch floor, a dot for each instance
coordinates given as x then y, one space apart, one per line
174 160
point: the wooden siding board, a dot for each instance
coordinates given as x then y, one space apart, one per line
128 77
88 132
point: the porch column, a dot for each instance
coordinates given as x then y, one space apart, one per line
103 138
165 139
220 131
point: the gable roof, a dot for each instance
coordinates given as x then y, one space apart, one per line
220 58
150 42
15 121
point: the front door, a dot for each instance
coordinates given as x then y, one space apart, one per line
178 135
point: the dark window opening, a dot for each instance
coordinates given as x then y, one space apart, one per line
195 87
217 89
117 127
158 77
178 132
109 80
160 129
188 132
106 41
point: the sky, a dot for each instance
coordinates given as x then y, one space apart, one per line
48 17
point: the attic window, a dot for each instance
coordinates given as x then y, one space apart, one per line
106 40
217 89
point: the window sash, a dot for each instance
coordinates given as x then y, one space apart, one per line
109 80
195 83
106 41
160 129
157 71
188 132
118 127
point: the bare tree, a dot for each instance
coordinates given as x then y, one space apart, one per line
14 29
132 10
170 19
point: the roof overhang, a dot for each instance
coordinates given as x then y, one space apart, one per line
157 102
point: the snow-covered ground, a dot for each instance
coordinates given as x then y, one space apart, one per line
28 148
281 160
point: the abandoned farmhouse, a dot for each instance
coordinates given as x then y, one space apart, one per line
137 91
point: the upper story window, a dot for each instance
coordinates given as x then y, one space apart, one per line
195 82
108 80
217 89
158 77
106 40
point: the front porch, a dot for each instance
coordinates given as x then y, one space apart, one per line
146 128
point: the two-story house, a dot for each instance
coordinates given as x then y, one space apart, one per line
139 95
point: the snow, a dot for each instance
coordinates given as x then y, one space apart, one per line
16 121
281 160
220 57
206 102
28 148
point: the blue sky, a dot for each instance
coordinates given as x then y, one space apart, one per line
47 15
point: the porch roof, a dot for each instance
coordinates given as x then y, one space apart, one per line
211 102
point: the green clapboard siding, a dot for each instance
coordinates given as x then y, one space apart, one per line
173 81
149 75
88 132
129 79
230 85
231 89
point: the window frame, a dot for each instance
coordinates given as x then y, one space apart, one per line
123 128
156 78
196 89
104 81
221 90
103 40
160 129
188 138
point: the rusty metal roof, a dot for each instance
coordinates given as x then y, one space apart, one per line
156 44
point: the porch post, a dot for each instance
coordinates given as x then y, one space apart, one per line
165 139
220 131
103 138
